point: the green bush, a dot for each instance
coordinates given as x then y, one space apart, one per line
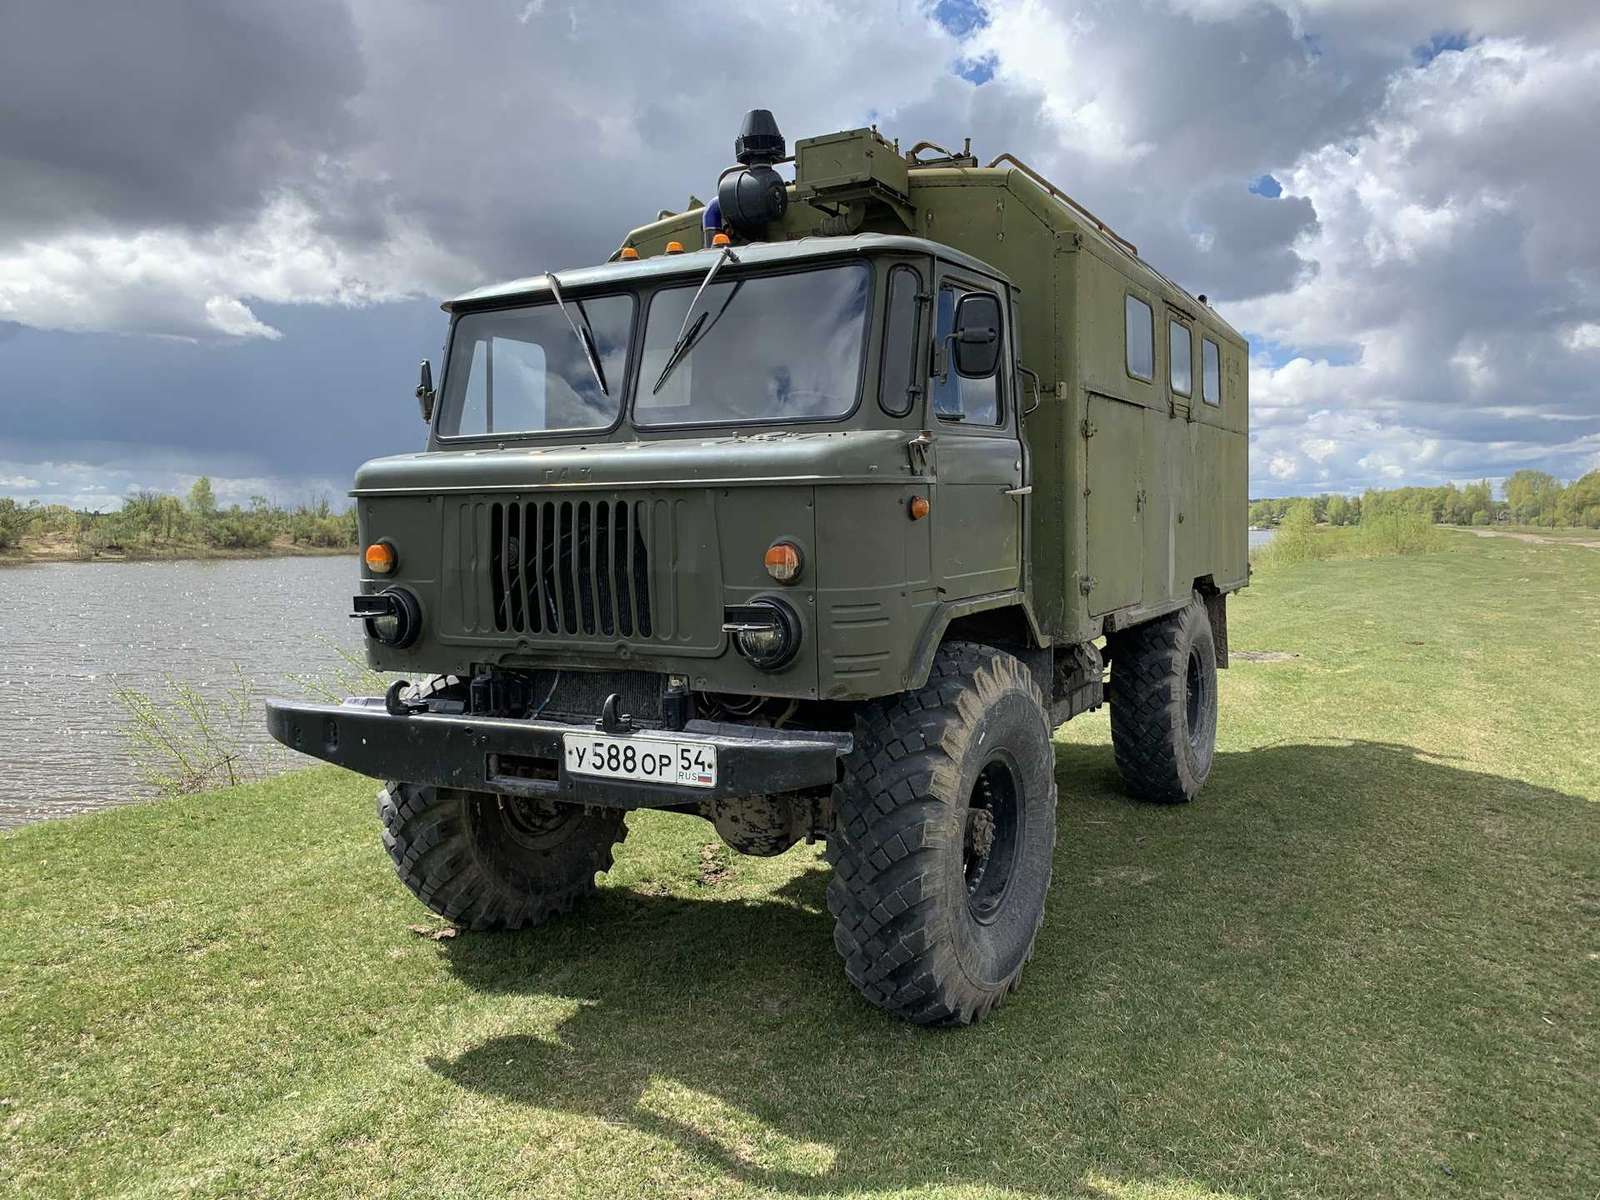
13 521
239 529
1398 532
1296 540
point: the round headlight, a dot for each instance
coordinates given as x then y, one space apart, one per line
398 621
767 632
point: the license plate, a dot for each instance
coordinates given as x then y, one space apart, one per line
646 759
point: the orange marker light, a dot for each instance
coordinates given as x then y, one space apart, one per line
783 562
381 558
674 247
918 508
627 253
721 239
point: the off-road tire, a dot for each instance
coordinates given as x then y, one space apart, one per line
1164 705
486 861
918 936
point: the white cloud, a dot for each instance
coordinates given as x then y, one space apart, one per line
183 284
1448 235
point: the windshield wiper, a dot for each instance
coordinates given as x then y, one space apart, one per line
689 334
585 335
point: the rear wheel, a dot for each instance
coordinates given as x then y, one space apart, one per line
495 862
943 840
1164 705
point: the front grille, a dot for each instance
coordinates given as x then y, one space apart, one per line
573 567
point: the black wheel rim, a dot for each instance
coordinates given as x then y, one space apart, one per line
532 825
992 837
1194 685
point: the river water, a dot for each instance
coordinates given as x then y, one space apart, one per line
73 634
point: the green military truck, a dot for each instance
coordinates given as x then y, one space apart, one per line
811 513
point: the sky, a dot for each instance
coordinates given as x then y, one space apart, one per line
226 227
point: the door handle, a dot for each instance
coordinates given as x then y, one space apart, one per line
1019 491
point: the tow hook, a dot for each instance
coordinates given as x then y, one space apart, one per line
397 705
612 718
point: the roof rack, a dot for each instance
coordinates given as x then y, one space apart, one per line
1116 238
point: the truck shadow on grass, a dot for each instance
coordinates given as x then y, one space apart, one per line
1347 967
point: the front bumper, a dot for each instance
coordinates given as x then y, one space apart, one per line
524 758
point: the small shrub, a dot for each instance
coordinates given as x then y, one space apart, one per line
1399 533
1296 540
13 520
183 742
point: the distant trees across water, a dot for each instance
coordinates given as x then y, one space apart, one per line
153 523
1528 498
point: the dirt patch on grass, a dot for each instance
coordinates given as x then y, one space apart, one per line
715 865
1537 539
1262 655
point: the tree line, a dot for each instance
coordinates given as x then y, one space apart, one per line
1527 498
153 522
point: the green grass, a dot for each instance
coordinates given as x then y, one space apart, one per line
1366 962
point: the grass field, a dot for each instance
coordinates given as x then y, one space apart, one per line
1366 962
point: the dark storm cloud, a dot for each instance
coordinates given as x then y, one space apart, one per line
166 112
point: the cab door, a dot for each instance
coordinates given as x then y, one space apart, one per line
979 493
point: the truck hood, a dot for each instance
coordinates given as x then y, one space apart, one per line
840 456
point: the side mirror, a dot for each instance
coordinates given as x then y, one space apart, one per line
425 393
977 335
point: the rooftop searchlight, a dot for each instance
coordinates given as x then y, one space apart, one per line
752 195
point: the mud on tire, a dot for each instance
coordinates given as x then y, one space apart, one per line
1164 705
943 839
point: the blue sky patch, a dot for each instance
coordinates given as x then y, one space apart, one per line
977 70
1273 354
960 18
1440 43
1266 186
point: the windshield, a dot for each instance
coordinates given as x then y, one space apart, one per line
526 370
770 348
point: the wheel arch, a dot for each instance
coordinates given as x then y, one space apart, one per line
1004 622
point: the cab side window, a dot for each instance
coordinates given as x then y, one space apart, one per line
956 398
898 382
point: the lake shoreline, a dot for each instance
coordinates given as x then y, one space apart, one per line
32 553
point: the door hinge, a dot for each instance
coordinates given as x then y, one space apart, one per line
1086 584
1088 428
1138 500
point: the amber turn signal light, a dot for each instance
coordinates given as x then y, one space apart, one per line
627 254
918 508
783 562
721 239
674 247
381 558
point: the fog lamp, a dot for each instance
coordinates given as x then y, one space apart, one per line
767 632
392 616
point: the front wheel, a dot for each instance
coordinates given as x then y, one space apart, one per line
494 862
1164 705
943 840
